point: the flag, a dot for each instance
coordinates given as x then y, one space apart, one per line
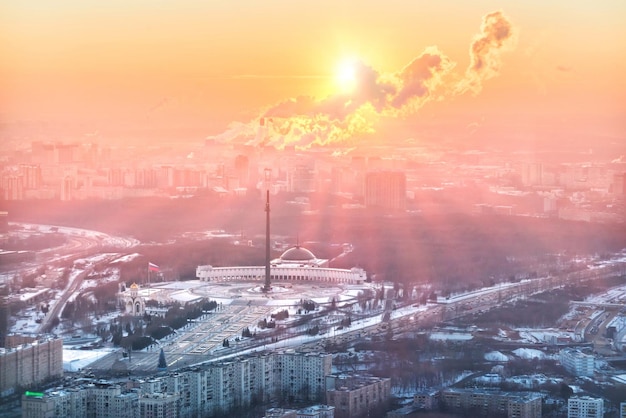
153 267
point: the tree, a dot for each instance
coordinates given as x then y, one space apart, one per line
162 364
566 391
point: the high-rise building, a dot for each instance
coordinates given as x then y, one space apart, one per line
585 407
622 410
12 186
532 174
32 363
242 170
301 178
385 190
303 375
159 405
37 405
209 390
100 399
67 188
32 176
4 221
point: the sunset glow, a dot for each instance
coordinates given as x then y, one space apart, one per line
203 66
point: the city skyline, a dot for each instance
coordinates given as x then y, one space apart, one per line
320 73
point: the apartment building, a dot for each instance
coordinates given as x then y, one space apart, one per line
357 396
32 361
100 399
585 407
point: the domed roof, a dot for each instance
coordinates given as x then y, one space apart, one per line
298 254
134 286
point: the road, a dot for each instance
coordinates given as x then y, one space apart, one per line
80 243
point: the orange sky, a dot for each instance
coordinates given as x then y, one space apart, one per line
202 64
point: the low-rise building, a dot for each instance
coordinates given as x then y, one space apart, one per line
576 362
317 411
280 413
487 403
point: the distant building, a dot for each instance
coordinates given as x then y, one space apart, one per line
385 190
12 187
32 176
4 221
30 363
532 174
585 407
576 362
67 188
357 396
491 403
301 178
618 185
242 170
622 410
295 264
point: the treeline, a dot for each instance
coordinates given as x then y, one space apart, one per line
34 242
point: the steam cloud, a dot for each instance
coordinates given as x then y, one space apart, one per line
306 121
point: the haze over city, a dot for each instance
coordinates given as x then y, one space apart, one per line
312 209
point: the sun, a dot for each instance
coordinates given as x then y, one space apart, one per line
345 75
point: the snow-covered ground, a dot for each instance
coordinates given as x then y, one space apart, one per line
524 381
529 353
496 356
75 360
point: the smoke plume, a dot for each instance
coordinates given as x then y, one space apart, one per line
306 121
